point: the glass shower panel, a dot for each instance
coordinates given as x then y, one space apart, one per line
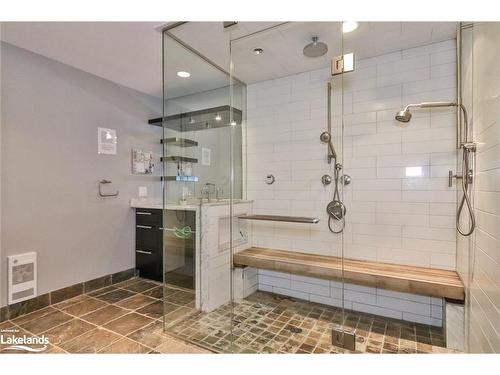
199 182
292 140
401 209
459 333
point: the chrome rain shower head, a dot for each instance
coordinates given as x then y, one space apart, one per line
315 49
405 114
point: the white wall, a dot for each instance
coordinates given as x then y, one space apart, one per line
484 309
391 217
50 168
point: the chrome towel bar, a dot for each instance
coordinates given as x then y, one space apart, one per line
285 219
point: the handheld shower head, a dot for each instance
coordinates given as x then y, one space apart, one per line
326 137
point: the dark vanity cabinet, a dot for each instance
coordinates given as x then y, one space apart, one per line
166 242
149 243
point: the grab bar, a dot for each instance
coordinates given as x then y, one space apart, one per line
287 219
105 182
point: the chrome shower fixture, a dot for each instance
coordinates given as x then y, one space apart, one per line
315 49
326 137
468 151
405 114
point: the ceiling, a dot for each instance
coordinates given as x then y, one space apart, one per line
129 53
283 44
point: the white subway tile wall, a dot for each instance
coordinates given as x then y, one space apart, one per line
399 206
397 305
484 311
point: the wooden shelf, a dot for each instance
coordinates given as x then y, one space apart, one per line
408 279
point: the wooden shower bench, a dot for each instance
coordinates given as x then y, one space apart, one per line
401 278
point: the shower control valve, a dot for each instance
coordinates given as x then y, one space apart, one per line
270 179
451 176
326 179
345 179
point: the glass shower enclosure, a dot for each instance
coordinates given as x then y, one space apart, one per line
294 153
202 178
223 198
291 188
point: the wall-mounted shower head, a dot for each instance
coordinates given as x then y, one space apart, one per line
405 114
315 49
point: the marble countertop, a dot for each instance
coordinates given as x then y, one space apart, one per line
193 205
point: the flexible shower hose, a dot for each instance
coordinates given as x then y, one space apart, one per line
466 154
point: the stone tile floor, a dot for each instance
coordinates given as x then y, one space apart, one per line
127 318
123 318
268 323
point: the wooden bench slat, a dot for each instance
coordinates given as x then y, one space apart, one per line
409 279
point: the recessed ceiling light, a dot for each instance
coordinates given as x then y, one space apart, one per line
183 74
348 26
258 51
218 117
233 123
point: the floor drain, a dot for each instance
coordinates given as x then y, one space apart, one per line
295 330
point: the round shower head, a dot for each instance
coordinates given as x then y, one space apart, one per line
315 49
325 137
404 115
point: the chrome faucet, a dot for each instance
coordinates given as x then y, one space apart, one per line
206 190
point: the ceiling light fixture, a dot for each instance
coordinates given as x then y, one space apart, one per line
218 117
233 123
258 51
183 74
348 26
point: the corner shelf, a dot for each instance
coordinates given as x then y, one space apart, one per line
177 159
180 178
178 141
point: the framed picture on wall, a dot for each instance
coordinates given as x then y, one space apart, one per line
142 162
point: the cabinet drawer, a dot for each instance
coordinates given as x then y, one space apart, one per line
149 265
146 216
148 238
